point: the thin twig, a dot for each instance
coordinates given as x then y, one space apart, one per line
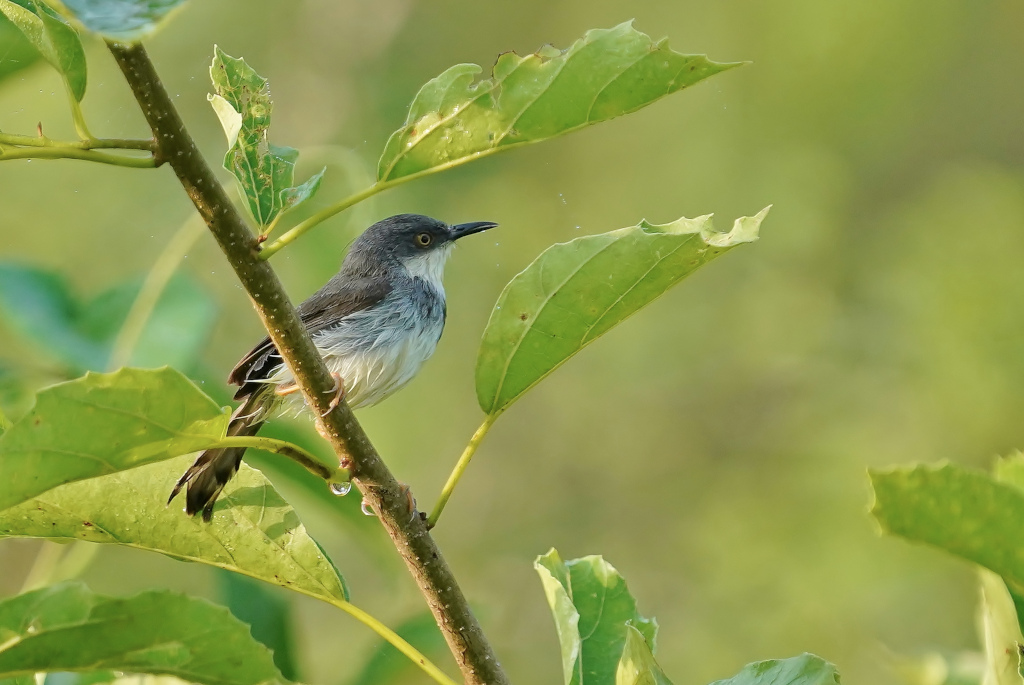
88 144
388 499
309 461
324 214
460 468
78 153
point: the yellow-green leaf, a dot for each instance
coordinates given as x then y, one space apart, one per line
574 292
53 37
605 74
67 627
103 423
254 532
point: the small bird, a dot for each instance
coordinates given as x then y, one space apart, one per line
375 323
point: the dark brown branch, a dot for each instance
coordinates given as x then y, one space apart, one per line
384 494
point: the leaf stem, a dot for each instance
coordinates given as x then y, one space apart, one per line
5 423
395 639
307 460
78 153
152 288
321 216
76 114
460 467
88 144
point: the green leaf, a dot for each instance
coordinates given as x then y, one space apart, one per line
637 665
387 665
255 532
69 628
53 37
592 609
18 52
265 172
40 305
605 74
805 669
104 423
1000 632
122 20
962 511
574 292
1010 470
267 613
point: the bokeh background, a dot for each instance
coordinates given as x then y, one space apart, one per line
714 447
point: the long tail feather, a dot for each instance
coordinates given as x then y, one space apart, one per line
213 468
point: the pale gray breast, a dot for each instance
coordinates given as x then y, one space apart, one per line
378 350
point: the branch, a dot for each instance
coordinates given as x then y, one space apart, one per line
388 499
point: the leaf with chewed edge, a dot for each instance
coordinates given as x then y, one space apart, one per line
265 172
604 74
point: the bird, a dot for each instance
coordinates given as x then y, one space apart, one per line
374 323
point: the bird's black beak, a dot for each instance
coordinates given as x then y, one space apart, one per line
462 230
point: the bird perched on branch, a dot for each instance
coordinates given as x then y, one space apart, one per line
374 323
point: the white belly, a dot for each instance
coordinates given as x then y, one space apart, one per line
374 352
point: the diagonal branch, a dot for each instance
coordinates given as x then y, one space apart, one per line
382 492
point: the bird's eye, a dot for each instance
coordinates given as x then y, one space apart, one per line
424 239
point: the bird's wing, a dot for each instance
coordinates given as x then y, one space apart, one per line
327 307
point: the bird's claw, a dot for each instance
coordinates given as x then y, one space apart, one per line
339 393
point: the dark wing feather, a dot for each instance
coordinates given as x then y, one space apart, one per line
323 309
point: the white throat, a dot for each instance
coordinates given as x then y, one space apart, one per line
430 266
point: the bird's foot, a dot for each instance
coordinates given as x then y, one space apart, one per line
285 389
339 393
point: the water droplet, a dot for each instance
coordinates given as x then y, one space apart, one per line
341 489
365 506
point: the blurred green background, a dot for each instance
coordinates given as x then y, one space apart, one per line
714 447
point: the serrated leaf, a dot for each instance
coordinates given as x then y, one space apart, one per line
607 73
965 512
122 20
805 669
637 665
53 37
69 628
40 305
575 292
104 423
255 532
592 609
265 173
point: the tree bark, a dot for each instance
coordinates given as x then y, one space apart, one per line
388 499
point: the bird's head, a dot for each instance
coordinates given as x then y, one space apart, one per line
419 243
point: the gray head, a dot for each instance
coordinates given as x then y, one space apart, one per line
419 243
